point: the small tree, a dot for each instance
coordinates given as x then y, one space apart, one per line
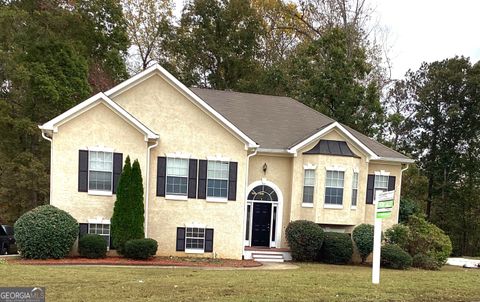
363 237
128 213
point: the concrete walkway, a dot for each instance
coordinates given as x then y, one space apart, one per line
463 262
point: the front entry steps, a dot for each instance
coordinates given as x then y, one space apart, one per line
268 257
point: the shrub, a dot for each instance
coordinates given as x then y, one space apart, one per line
305 239
363 237
92 246
423 261
427 239
337 248
45 232
140 248
408 207
395 257
398 234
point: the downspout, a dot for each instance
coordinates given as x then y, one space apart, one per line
51 157
147 189
405 169
245 200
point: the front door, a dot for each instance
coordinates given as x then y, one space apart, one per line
262 215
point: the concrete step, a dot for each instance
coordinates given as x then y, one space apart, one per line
270 257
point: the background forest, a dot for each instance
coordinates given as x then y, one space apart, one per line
328 54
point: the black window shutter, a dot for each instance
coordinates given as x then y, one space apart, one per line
370 188
232 181
111 243
202 179
208 240
391 183
82 229
117 170
180 239
82 171
192 178
161 173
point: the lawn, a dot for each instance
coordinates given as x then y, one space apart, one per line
311 282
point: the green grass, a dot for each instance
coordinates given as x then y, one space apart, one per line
311 282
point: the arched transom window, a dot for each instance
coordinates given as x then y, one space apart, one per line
263 193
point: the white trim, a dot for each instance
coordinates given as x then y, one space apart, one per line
195 251
336 168
353 207
176 197
309 166
356 170
195 225
325 130
187 92
100 149
53 124
332 206
98 220
178 155
307 204
395 159
217 199
382 173
218 157
100 193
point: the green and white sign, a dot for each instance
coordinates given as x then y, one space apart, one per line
384 201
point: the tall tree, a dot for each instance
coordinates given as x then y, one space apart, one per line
121 222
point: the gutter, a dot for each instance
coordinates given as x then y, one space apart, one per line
245 201
147 189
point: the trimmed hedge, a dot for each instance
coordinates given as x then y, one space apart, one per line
363 237
337 248
305 238
92 246
45 232
140 248
423 261
394 257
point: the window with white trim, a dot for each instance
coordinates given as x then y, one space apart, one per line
101 229
354 189
381 183
100 171
217 178
308 185
334 187
194 239
177 176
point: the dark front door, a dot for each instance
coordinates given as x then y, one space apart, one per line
262 215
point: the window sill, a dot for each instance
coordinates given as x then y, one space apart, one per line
307 205
217 199
194 251
100 193
333 206
176 197
353 207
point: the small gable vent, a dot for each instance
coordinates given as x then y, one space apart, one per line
328 147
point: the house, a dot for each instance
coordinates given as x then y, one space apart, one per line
224 172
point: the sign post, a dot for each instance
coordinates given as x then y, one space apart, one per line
383 209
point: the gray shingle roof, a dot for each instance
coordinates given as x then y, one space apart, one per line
276 122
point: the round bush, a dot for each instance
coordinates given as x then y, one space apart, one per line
398 234
425 262
140 248
337 248
392 256
45 232
305 239
363 237
92 246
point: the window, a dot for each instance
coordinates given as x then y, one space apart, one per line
195 239
177 176
308 185
334 188
100 229
354 189
381 184
100 171
217 179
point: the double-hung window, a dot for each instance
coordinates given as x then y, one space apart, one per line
381 184
217 179
194 239
177 176
354 189
308 186
100 171
334 188
101 229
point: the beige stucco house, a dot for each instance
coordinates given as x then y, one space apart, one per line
224 172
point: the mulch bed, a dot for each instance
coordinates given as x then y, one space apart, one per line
156 261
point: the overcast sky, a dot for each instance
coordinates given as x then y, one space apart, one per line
426 30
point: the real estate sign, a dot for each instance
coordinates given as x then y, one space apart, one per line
384 201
